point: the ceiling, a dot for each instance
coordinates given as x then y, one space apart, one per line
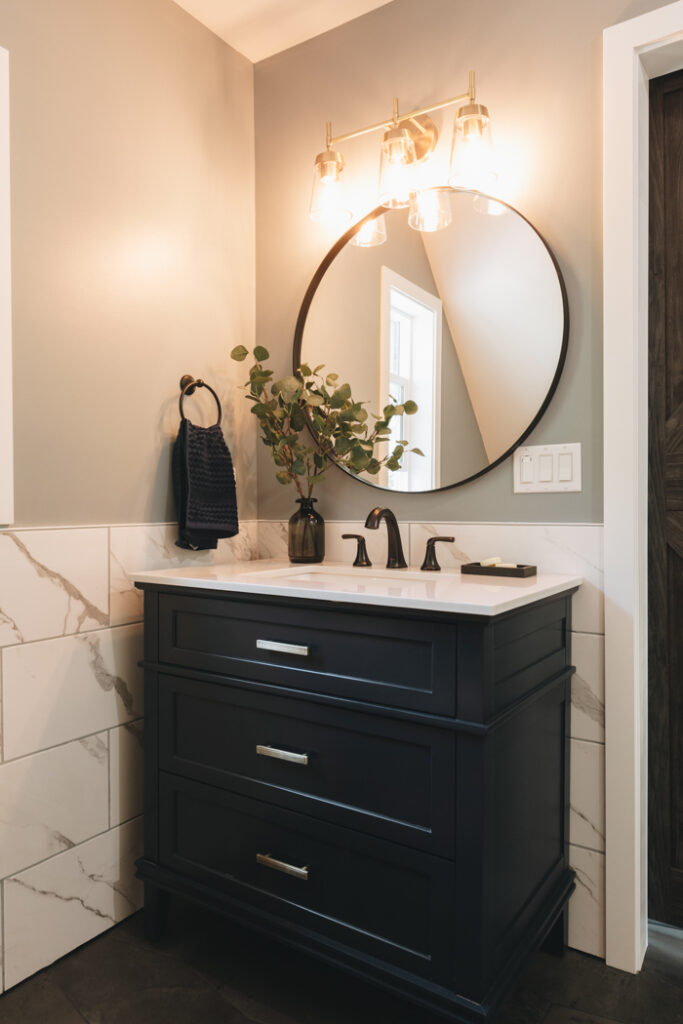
260 28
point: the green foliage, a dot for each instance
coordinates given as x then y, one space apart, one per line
344 436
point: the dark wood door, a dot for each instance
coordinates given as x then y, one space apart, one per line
666 501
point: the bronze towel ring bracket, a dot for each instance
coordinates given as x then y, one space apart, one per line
188 384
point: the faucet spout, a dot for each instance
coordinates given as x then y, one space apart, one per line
395 557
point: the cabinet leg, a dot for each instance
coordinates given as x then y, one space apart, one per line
157 902
557 938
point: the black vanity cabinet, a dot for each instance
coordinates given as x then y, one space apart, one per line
382 788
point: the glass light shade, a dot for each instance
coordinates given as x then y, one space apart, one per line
472 157
327 200
397 161
430 210
491 207
373 232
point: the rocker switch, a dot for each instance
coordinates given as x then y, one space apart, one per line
564 467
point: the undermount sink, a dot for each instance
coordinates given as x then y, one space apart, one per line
320 573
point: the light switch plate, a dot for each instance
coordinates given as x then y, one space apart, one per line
547 467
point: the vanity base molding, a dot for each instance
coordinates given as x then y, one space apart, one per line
393 801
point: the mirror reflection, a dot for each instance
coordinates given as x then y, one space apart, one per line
468 321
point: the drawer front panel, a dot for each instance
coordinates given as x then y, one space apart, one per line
367 893
388 778
393 661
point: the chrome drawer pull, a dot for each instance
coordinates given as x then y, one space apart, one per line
276 645
280 865
281 755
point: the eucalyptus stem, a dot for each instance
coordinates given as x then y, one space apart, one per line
342 431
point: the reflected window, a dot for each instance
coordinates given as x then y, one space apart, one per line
410 368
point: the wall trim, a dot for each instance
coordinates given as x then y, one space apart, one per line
633 52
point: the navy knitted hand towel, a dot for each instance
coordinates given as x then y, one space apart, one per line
203 487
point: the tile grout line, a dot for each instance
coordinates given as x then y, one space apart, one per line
73 739
61 853
69 636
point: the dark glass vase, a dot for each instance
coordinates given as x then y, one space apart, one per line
306 533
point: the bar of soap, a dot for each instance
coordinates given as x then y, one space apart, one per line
496 560
506 565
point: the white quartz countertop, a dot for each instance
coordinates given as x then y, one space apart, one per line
445 591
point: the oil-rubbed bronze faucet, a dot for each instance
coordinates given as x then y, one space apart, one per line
395 558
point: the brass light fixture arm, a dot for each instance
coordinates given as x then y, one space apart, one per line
334 140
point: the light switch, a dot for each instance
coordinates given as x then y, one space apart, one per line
545 468
564 467
527 469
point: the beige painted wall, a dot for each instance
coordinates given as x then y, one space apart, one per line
539 71
132 249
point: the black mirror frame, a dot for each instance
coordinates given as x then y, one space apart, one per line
313 287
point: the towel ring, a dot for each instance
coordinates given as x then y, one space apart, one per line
187 387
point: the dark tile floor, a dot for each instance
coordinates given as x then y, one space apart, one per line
205 972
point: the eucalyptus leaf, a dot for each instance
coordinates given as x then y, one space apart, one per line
410 407
261 353
239 353
283 477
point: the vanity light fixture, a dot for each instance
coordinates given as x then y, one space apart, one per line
327 202
430 209
372 232
408 140
472 164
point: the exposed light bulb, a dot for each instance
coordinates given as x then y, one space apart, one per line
372 232
327 200
396 168
430 210
472 157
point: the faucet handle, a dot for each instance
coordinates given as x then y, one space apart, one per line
430 563
361 551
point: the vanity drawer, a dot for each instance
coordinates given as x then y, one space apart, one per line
379 898
392 660
389 778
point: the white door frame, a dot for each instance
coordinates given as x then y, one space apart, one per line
633 52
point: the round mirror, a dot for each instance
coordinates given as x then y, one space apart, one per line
470 322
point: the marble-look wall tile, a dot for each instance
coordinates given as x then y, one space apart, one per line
587 904
126 745
554 548
53 800
52 583
55 906
153 547
272 538
59 690
588 687
587 795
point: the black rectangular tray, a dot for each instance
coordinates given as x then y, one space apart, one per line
477 569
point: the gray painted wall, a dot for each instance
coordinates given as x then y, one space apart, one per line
132 248
539 71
